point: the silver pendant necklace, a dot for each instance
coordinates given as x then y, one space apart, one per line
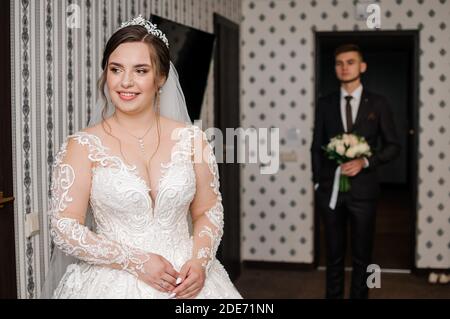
140 139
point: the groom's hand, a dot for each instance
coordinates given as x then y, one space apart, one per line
353 167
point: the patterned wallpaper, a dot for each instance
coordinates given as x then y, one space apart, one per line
55 69
278 90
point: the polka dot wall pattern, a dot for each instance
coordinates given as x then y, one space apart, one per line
278 90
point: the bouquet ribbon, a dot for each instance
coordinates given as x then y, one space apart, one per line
335 191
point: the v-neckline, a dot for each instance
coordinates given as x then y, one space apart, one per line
163 168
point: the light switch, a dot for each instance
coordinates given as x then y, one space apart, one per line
288 156
32 224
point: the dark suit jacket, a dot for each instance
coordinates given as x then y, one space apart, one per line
373 121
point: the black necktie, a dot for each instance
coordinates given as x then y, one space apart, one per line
348 113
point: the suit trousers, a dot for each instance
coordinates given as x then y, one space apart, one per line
360 214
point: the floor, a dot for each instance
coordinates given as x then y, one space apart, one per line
289 284
394 224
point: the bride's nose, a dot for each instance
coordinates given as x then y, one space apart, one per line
127 80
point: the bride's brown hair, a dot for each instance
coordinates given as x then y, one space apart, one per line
159 56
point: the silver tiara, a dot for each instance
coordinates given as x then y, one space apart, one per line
151 28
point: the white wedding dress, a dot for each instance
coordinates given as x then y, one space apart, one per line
128 223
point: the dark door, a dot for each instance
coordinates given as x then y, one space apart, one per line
8 287
226 110
392 58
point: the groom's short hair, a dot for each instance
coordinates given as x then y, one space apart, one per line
348 48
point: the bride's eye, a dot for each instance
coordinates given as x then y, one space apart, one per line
141 71
114 70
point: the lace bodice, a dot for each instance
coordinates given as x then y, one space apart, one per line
128 224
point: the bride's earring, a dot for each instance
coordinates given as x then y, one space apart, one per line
156 101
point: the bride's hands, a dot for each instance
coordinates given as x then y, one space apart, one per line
159 273
192 276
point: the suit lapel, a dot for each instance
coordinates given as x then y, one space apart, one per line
363 109
338 115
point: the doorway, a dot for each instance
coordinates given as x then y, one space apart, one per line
8 286
393 59
226 115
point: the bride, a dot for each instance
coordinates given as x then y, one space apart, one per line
139 169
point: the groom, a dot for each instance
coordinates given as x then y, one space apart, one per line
352 109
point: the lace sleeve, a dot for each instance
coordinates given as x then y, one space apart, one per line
71 185
206 208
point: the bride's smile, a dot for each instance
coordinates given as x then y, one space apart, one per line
128 96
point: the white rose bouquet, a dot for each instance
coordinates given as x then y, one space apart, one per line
344 148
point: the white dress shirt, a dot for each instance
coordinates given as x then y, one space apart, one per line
354 103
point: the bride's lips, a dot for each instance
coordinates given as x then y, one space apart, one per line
127 96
